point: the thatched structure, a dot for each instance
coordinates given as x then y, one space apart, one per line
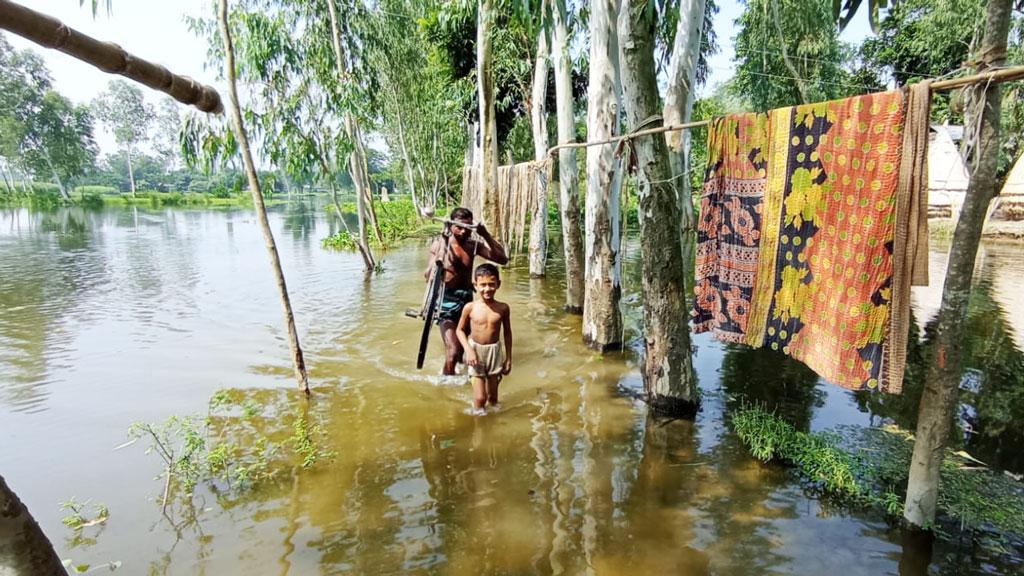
49 32
1010 202
517 195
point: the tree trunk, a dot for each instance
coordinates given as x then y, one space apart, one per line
539 123
367 257
8 179
24 549
938 401
602 320
801 84
568 172
357 180
682 74
667 367
60 183
367 184
356 161
409 176
490 206
131 171
298 362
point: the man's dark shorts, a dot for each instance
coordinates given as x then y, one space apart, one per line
453 303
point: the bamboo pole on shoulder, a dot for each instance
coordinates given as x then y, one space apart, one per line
50 32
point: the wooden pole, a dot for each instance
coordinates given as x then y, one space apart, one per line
49 32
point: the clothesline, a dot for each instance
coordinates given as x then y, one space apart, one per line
994 77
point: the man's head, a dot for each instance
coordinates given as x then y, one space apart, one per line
486 280
465 216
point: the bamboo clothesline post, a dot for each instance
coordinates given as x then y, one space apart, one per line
50 32
994 77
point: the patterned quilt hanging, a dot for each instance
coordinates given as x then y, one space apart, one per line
795 246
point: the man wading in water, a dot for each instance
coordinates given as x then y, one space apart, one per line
458 277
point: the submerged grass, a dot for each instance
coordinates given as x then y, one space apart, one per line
868 468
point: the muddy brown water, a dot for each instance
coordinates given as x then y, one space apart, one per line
115 316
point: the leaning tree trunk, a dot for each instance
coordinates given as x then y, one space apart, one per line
56 176
602 320
367 184
355 161
298 362
487 185
568 173
24 549
131 171
938 401
667 366
539 122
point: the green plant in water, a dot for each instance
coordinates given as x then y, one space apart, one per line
304 441
873 472
341 240
77 520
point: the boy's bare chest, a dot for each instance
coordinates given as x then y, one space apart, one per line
484 316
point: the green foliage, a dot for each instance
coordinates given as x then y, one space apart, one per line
341 240
869 467
76 518
815 455
788 52
42 134
234 448
306 441
398 221
124 110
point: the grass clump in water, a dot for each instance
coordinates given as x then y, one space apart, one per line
869 467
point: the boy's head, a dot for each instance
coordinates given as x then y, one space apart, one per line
486 280
465 216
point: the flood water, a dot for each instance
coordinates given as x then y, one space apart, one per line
116 316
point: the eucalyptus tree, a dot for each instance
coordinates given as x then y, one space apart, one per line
298 107
166 139
539 124
345 62
667 365
602 319
41 131
789 53
568 172
420 104
242 139
57 140
488 158
127 115
939 398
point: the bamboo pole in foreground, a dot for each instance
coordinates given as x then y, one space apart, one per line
50 32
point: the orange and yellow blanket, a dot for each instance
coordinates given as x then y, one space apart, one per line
796 235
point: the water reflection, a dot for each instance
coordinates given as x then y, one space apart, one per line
992 391
121 315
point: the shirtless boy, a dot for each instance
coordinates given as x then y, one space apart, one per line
458 279
480 331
